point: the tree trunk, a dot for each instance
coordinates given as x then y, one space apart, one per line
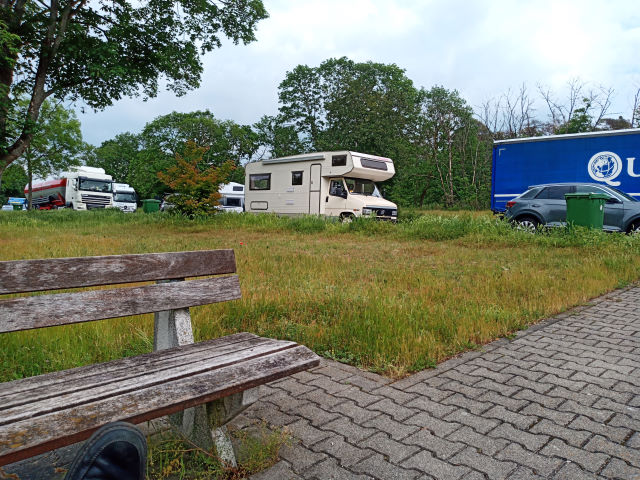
30 173
422 195
450 192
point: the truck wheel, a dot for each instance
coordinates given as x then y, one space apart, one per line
346 217
527 224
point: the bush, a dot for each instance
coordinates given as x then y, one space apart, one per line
195 182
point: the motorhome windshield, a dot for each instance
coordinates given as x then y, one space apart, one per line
124 197
231 202
91 185
358 186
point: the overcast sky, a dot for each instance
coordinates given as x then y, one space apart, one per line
482 48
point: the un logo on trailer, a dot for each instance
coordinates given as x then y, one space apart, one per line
605 167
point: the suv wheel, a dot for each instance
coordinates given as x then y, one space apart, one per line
527 224
634 229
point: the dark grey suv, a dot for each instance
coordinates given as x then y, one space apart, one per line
545 205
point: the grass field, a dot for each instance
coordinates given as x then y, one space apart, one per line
390 298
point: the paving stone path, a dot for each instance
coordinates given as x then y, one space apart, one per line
561 400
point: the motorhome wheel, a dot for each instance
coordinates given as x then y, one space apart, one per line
346 217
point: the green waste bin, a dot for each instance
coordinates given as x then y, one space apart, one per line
150 205
585 209
17 207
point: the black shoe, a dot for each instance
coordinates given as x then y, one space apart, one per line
117 451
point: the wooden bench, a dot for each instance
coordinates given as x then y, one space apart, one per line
49 411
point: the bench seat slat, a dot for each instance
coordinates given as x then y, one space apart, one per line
62 273
38 311
121 382
24 385
92 381
62 427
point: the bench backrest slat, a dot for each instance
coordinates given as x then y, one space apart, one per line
62 273
38 311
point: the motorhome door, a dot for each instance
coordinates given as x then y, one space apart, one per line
314 189
336 201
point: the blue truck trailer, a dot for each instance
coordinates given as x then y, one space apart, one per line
607 157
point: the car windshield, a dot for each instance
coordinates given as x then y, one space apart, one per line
358 186
124 197
624 195
92 185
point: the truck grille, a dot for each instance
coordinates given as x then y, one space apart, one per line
95 200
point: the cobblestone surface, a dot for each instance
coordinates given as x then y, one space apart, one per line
561 400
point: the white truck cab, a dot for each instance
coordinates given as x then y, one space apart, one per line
81 188
231 197
335 184
124 197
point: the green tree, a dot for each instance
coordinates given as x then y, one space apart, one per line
441 153
619 123
99 52
15 179
367 107
117 156
195 181
277 137
137 159
303 100
56 143
372 110
143 176
452 150
342 104
580 121
225 139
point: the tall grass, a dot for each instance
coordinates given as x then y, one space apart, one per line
390 298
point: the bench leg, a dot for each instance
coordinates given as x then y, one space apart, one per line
203 425
172 328
224 447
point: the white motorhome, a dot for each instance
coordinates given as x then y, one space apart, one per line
124 197
81 188
336 184
231 197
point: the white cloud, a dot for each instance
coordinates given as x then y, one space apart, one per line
481 48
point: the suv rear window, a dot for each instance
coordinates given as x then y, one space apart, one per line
555 192
531 193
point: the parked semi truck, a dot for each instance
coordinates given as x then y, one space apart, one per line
607 157
124 197
81 188
336 184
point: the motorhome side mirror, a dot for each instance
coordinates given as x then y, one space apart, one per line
343 193
613 200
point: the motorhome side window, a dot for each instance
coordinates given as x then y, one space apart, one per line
369 163
336 188
260 181
338 160
296 178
